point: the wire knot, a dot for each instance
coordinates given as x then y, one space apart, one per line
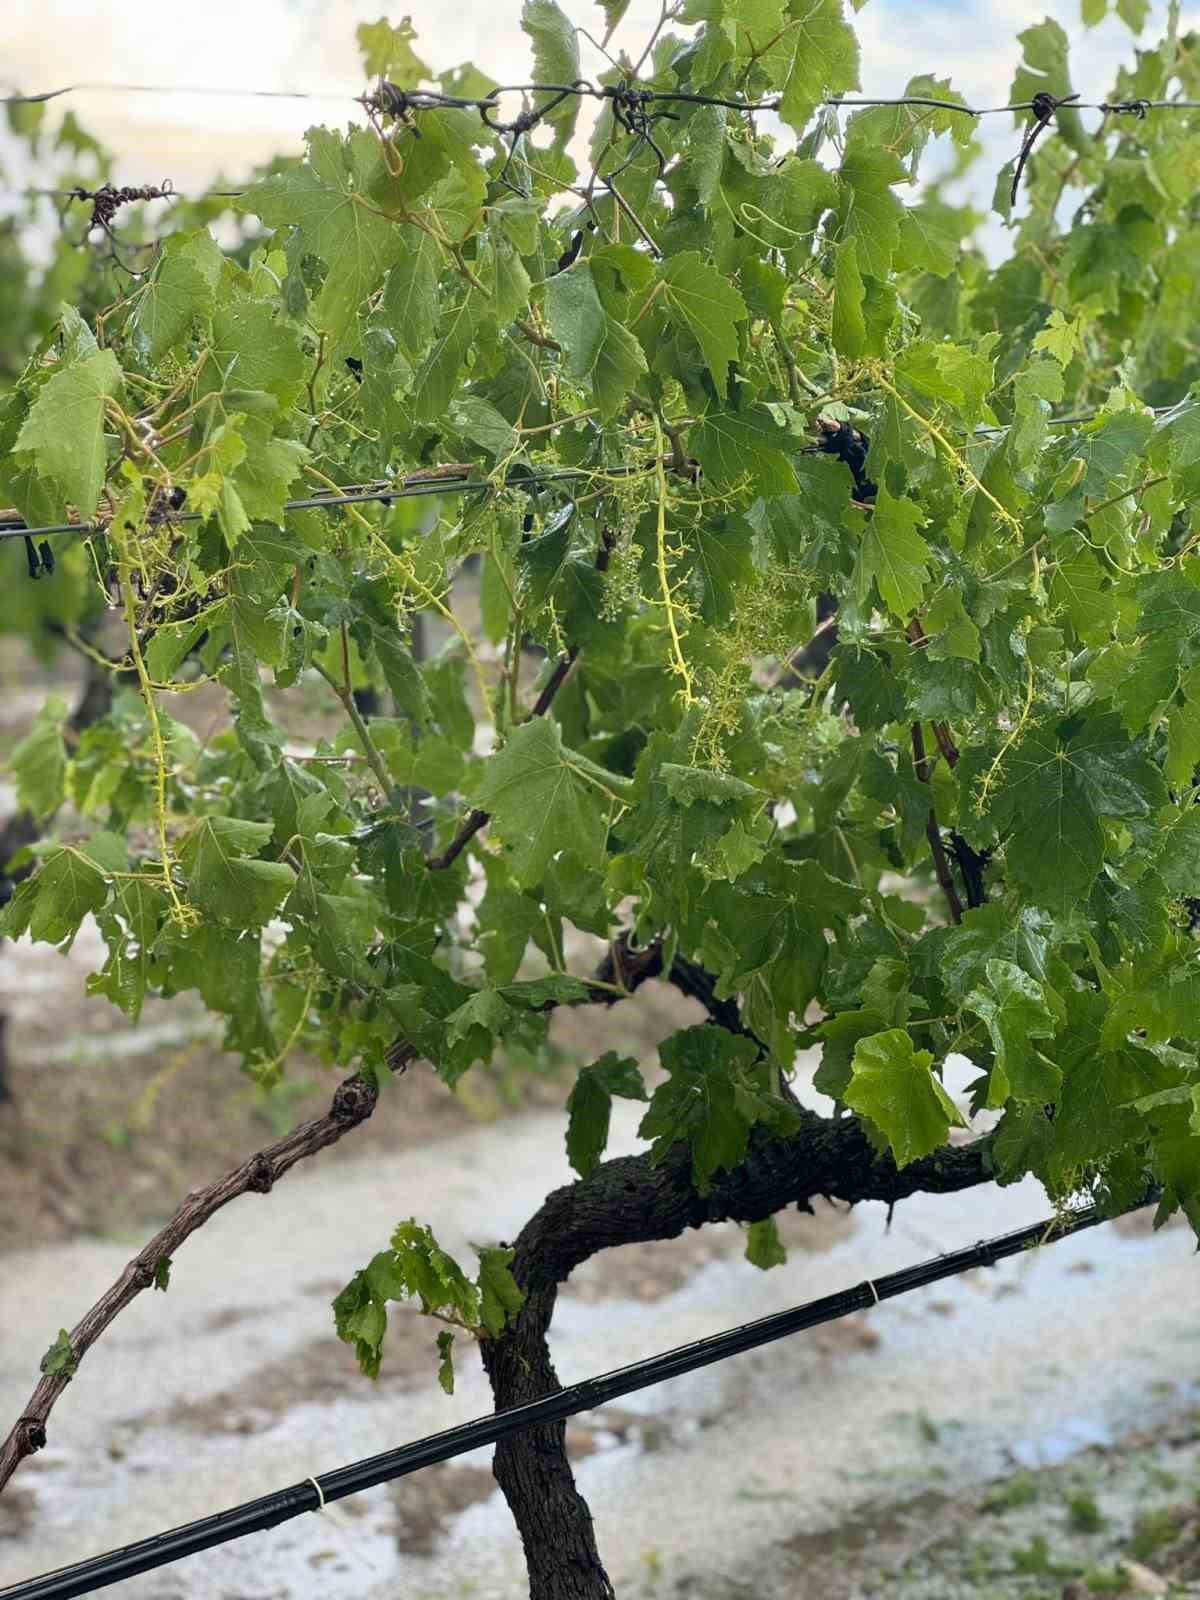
631 113
393 101
1132 108
107 200
1043 105
624 96
525 123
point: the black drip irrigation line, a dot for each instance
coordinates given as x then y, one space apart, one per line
313 1494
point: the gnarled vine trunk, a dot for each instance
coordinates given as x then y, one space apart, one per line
627 1201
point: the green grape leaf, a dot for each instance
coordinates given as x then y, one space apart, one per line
500 1299
253 349
745 447
182 289
703 301
64 431
764 1247
849 294
224 881
387 52
824 59
51 905
410 296
952 633
870 213
541 800
555 59
1016 1009
893 555
39 762
445 1348
598 349
589 1106
713 1094
60 1361
1080 587
328 201
894 1086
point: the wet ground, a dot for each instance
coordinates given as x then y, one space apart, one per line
1030 1431
811 1468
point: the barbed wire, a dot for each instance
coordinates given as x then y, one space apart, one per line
410 489
173 89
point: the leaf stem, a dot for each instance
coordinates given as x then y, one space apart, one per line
370 750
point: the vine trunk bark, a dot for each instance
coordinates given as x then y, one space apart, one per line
533 1471
626 1201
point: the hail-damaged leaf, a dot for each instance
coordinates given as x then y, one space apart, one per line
64 431
181 290
542 799
598 350
555 59
227 882
824 58
701 299
589 1106
329 201
51 905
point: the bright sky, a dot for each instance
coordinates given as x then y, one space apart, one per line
309 45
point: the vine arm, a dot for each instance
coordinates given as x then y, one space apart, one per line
353 1102
941 864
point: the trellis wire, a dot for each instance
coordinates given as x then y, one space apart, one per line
631 111
434 99
16 529
268 1511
